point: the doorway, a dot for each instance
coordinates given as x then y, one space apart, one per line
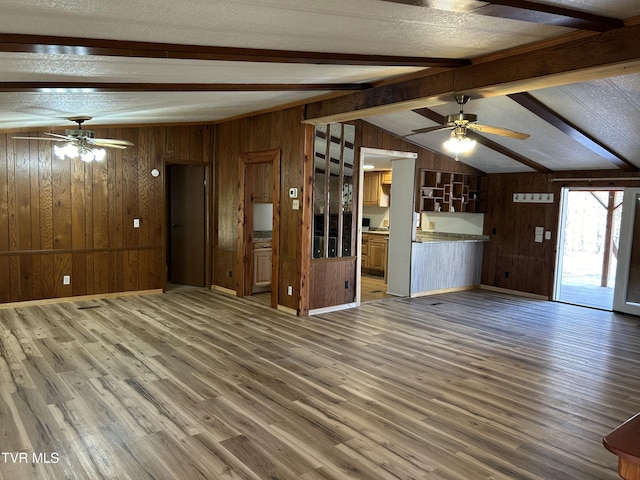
186 220
588 247
374 230
258 235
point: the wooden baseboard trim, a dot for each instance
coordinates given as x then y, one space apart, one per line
444 290
291 311
79 298
334 308
228 291
514 292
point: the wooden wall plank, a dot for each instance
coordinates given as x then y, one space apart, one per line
45 196
4 204
23 194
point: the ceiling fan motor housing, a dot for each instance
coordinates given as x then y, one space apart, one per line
461 118
80 133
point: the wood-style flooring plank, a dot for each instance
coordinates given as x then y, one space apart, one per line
196 384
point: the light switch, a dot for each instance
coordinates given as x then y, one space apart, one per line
66 280
136 223
547 235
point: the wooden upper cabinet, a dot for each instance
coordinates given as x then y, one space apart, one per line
263 183
375 193
386 177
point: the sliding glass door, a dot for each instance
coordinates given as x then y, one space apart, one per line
627 292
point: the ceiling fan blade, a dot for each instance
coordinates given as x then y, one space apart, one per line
105 142
110 145
427 130
505 132
63 139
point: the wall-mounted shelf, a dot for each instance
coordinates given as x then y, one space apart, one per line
448 192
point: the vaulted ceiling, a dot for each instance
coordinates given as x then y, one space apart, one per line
565 72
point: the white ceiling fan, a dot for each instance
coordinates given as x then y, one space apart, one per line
80 143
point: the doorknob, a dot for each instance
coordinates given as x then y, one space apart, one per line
174 225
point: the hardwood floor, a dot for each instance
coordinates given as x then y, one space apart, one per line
201 385
372 288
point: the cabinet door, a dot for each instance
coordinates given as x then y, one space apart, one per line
371 188
373 193
377 255
386 177
365 252
262 267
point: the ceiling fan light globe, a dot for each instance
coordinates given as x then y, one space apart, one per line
99 154
71 150
459 144
59 152
87 156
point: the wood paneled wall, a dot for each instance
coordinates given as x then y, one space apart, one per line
281 130
512 259
67 217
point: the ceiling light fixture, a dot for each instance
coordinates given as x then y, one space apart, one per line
458 142
78 149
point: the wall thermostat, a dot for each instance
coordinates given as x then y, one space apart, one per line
293 193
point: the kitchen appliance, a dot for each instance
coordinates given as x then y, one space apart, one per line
366 223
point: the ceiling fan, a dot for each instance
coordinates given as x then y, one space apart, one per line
80 143
459 122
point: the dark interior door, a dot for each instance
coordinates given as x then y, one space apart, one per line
186 249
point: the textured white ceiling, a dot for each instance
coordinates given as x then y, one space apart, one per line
358 26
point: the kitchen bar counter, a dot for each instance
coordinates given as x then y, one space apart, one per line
445 262
425 237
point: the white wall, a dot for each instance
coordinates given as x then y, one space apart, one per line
464 223
262 216
377 215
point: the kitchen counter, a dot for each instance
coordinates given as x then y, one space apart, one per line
434 237
441 264
376 232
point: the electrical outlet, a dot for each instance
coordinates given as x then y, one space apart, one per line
432 225
66 280
289 290
385 223
136 223
296 205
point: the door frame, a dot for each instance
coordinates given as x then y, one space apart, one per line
207 219
364 153
627 227
245 223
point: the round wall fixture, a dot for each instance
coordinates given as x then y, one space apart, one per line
155 172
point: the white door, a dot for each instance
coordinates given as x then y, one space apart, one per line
626 297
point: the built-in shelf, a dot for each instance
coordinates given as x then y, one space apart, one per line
448 192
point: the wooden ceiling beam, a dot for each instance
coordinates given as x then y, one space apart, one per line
104 87
548 14
538 108
119 48
525 11
607 54
481 139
